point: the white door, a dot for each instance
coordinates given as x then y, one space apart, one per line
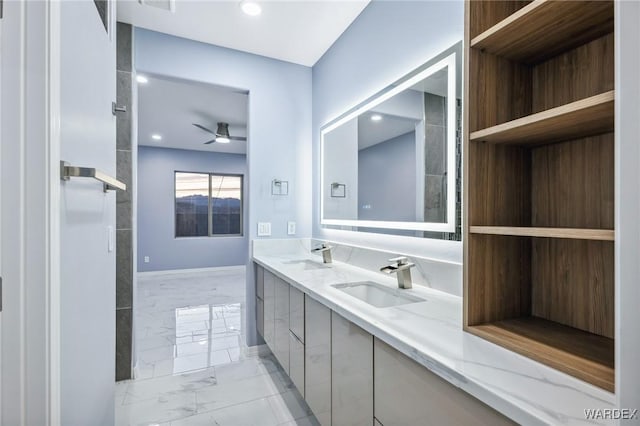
57 77
87 214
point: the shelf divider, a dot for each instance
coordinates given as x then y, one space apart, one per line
545 28
569 233
586 117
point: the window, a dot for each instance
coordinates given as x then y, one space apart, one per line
208 204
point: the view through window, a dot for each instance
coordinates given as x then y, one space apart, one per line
208 204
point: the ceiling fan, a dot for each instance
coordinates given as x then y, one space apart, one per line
221 135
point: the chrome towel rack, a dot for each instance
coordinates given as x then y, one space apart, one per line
109 183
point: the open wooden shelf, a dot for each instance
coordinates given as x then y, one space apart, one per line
586 117
569 233
539 181
544 28
587 356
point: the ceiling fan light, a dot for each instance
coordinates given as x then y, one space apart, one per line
222 139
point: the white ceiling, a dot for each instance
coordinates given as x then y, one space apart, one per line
374 132
298 31
399 113
168 107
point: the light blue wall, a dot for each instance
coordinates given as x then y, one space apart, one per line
279 131
387 180
387 40
156 221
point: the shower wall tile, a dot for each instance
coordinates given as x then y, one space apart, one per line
435 150
124 269
434 106
124 204
124 343
124 47
123 99
124 173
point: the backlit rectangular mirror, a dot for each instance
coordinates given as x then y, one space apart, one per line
392 164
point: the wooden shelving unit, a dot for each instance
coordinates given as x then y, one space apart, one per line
539 182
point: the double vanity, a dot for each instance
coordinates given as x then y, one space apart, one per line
363 351
529 334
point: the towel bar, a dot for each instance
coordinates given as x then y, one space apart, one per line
109 183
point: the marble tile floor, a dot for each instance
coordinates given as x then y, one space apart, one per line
193 365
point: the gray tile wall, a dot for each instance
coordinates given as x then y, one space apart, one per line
436 166
124 219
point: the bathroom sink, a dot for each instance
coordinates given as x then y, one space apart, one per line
307 264
377 295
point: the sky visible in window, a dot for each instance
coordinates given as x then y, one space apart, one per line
191 184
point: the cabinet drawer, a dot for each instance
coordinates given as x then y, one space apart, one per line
260 316
281 341
296 362
296 312
317 360
351 373
406 393
269 309
260 282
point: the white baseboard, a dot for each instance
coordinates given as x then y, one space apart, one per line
186 271
257 350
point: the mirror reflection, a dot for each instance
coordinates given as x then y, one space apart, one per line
392 165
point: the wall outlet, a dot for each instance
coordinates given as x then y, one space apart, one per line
264 229
291 228
146 259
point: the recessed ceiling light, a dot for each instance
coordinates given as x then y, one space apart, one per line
251 8
142 79
156 137
376 117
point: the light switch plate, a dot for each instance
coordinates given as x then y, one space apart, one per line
264 229
146 259
291 228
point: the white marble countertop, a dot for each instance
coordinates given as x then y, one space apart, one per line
430 332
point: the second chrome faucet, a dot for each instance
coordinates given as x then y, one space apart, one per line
402 268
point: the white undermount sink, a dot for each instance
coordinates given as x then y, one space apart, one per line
377 295
306 264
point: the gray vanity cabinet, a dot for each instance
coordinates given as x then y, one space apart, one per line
317 372
408 394
296 338
351 373
260 300
281 327
269 299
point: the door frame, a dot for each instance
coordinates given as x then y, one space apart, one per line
30 217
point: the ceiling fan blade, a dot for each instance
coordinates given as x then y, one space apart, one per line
237 138
211 141
204 128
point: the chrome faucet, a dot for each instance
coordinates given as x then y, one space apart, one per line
326 252
402 268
